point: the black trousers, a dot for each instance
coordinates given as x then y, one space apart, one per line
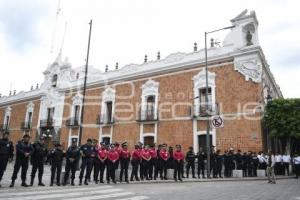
286 168
3 165
70 166
111 171
18 164
188 166
135 168
178 170
163 168
56 170
86 165
297 170
124 169
152 167
145 169
37 166
201 167
96 168
219 169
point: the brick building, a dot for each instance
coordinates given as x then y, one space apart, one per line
159 101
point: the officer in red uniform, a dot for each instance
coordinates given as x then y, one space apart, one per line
178 158
163 158
102 162
135 161
146 157
124 159
113 157
153 161
119 150
157 165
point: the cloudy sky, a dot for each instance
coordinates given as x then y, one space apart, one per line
125 30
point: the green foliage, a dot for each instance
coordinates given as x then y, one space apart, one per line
282 118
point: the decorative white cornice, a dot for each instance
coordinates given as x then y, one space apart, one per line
150 88
108 95
77 99
30 106
200 79
8 111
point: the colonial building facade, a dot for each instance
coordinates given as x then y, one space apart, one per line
159 101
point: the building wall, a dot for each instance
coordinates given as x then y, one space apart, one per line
175 125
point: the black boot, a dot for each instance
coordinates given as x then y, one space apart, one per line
72 182
31 181
85 182
12 184
51 183
80 181
41 182
24 184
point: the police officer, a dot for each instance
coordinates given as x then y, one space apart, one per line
37 160
238 160
88 154
153 161
6 153
24 150
178 163
190 159
102 157
124 160
201 157
163 160
72 159
219 164
135 161
56 156
113 158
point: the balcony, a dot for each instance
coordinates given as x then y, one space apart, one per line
205 110
4 127
26 125
104 120
73 122
147 116
47 123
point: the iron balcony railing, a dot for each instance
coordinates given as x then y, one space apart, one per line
73 122
205 110
147 115
104 119
26 125
47 123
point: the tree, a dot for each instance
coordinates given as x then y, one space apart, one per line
282 118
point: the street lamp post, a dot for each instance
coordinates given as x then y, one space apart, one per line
269 100
208 148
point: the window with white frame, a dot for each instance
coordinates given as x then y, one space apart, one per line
149 107
107 109
7 118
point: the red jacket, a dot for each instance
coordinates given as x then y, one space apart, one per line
113 155
153 153
164 154
136 155
102 154
178 155
125 154
145 154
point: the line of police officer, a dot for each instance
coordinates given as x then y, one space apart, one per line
148 162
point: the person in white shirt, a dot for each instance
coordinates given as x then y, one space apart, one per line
270 167
262 161
278 164
286 163
296 161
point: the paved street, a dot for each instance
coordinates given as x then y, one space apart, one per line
285 189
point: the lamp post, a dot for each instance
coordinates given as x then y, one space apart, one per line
269 100
206 100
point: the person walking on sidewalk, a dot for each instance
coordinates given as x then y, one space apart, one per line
270 168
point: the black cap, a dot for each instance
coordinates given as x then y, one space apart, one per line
89 140
117 144
26 136
74 140
124 144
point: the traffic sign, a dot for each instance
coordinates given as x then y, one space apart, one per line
217 121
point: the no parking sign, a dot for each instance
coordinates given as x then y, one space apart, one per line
217 121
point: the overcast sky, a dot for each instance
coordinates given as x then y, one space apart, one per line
125 30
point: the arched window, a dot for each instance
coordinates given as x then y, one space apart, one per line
54 80
150 107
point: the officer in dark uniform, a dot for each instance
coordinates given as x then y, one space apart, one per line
37 160
24 150
72 159
213 163
219 164
245 164
56 156
88 154
238 160
255 164
6 153
190 159
201 157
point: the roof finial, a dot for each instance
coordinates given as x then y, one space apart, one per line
117 65
195 46
9 92
158 55
31 88
37 86
146 58
14 92
106 68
